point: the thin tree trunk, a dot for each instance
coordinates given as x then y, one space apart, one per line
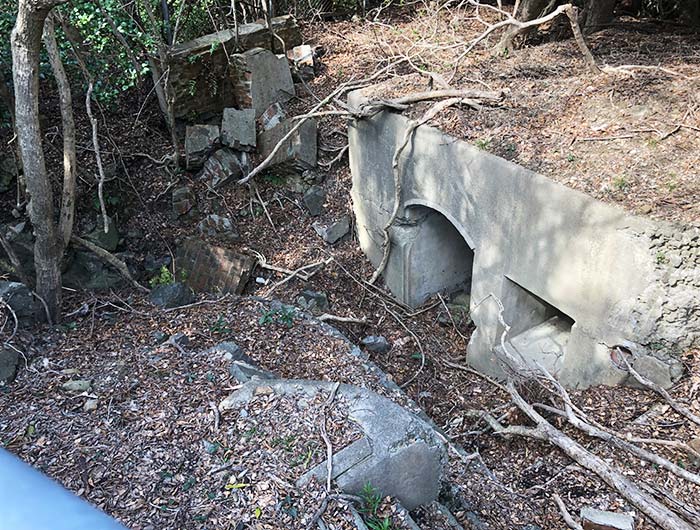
596 14
26 46
67 217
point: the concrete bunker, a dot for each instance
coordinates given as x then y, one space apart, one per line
429 255
576 276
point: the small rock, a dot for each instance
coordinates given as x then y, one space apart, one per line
646 209
313 301
172 295
376 344
77 385
90 405
180 339
200 140
224 166
243 372
238 129
314 198
159 337
215 225
301 55
302 58
183 200
675 260
230 351
107 240
601 520
9 362
335 231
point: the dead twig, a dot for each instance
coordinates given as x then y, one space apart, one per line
325 317
565 513
680 409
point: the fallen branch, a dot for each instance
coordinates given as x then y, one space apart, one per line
325 317
680 409
568 10
109 259
565 513
659 513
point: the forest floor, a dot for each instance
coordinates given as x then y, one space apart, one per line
145 450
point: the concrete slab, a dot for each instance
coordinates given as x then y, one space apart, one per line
399 455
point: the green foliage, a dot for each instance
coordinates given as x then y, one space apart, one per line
220 326
661 258
164 277
621 183
274 178
483 143
371 500
284 315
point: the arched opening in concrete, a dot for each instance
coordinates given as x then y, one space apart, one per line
430 255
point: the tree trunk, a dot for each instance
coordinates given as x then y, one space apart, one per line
529 10
65 226
596 15
26 46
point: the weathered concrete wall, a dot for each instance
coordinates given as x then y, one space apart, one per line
621 279
203 72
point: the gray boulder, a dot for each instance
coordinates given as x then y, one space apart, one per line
20 299
183 200
314 198
224 166
87 271
9 362
657 371
238 129
313 301
399 453
200 140
214 225
602 520
172 295
376 344
335 231
107 240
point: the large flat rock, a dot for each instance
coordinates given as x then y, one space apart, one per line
399 453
